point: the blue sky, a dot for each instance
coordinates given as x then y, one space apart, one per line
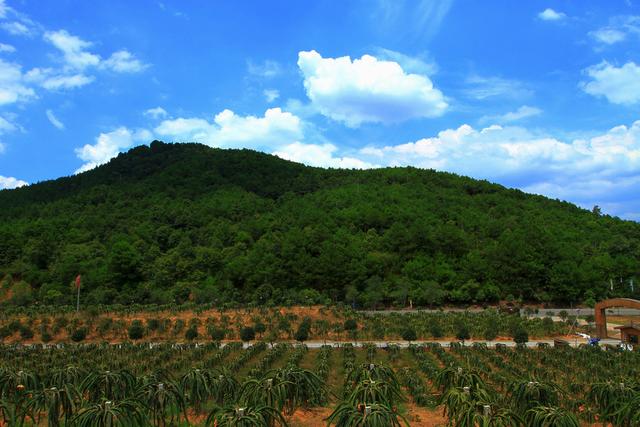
538 95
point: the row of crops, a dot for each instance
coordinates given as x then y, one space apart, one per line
264 385
272 325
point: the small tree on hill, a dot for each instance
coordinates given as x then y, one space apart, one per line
491 333
463 333
260 328
302 334
79 334
217 334
521 336
192 333
409 334
436 330
247 334
136 330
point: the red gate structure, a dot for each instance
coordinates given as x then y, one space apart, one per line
601 314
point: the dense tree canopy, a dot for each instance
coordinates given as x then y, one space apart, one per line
174 222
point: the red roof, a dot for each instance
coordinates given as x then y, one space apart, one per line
634 327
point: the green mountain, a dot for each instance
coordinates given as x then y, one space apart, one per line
171 222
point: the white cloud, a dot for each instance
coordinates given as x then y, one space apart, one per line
608 35
589 171
16 28
271 95
620 85
551 15
77 60
155 113
108 145
7 48
522 112
276 128
8 182
367 90
124 61
620 28
54 120
73 48
52 79
320 155
12 84
266 69
480 87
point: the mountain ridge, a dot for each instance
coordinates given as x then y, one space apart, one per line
170 222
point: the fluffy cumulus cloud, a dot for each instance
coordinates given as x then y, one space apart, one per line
551 15
123 61
367 90
52 79
321 155
228 129
596 170
12 84
77 60
108 145
619 85
74 49
8 182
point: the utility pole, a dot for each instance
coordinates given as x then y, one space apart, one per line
78 280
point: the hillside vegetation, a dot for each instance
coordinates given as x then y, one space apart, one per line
175 222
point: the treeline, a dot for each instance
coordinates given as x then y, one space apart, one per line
175 222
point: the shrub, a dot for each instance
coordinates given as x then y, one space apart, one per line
350 325
521 336
247 334
136 330
79 335
260 328
153 324
26 333
491 332
547 324
5 332
46 337
104 325
14 326
302 334
463 332
217 334
436 330
409 334
192 333
178 326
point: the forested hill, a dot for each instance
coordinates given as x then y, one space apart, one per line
172 222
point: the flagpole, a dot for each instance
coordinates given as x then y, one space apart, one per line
78 295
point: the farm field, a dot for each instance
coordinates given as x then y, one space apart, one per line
319 323
207 384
